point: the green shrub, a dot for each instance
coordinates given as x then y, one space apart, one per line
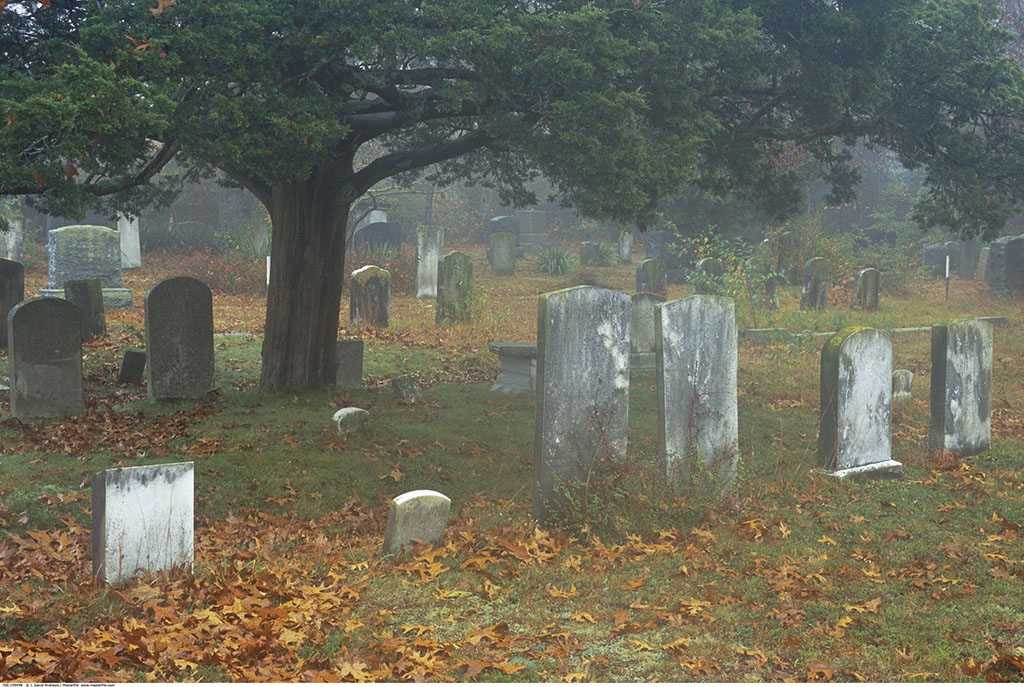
553 260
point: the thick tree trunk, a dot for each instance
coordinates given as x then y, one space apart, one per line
307 257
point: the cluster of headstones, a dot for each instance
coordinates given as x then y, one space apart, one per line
583 353
1000 264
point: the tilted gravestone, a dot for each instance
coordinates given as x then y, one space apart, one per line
12 292
866 288
350 364
131 251
814 295
642 330
902 381
86 252
142 520
651 277
503 253
625 247
967 259
87 294
698 428
981 274
350 420
369 290
12 241
419 515
583 340
429 243
45 359
709 273
856 404
179 339
454 289
133 366
961 387
406 389
934 260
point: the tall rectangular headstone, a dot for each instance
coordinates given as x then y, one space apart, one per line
503 253
643 313
625 247
854 434
87 294
12 292
369 290
814 295
787 248
45 359
142 520
651 277
934 259
131 250
968 259
981 273
454 289
961 387
532 235
583 339
698 426
86 252
429 244
350 364
12 241
179 339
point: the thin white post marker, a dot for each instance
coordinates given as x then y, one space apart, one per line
268 268
947 277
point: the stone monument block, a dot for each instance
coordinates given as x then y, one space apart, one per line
698 424
1005 271
856 404
532 234
179 339
406 389
651 277
961 387
455 289
814 295
87 294
418 515
369 290
503 253
429 243
866 288
86 252
902 381
131 250
350 364
12 292
642 330
133 366
953 251
583 341
660 245
518 361
142 520
12 241
45 358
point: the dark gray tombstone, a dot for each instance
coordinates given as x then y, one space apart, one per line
590 253
961 387
953 251
87 294
657 247
179 339
377 234
532 234
454 289
787 248
350 364
934 260
133 366
982 271
582 391
866 288
86 252
1005 271
406 389
12 292
503 223
651 278
429 243
369 290
967 260
45 359
816 282
710 272
503 253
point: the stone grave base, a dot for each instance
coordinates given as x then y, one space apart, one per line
883 469
113 297
518 367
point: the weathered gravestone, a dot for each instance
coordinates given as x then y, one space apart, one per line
814 295
660 245
967 259
625 247
582 391
866 288
405 388
369 290
429 242
698 428
349 420
934 260
45 358
590 253
350 364
856 404
503 223
142 520
12 241
532 234
503 253
1005 271
87 294
642 346
981 274
179 339
133 366
131 250
651 278
787 247
454 289
961 387
709 275
902 381
419 515
12 292
86 252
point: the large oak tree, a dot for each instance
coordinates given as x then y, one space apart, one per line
617 102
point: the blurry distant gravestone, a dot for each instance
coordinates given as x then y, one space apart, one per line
1004 273
981 272
405 388
45 359
86 252
902 381
12 241
504 223
131 251
641 330
710 272
87 294
532 234
953 251
856 404
651 278
625 247
133 366
349 420
429 243
350 364
816 281
503 253
967 260
418 515
369 290
582 391
935 260
961 387
179 339
696 384
658 246
377 234
787 246
454 289
590 253
142 519
865 289
12 292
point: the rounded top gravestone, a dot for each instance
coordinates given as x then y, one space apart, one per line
45 358
179 338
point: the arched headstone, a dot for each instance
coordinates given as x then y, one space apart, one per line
179 339
45 358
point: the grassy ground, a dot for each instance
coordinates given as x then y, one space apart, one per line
793 577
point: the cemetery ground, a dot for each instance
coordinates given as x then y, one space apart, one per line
794 576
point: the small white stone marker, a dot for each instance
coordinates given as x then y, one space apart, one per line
420 514
142 519
349 420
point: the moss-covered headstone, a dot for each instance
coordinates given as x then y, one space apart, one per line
369 290
454 289
86 252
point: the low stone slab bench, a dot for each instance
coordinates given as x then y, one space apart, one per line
518 367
